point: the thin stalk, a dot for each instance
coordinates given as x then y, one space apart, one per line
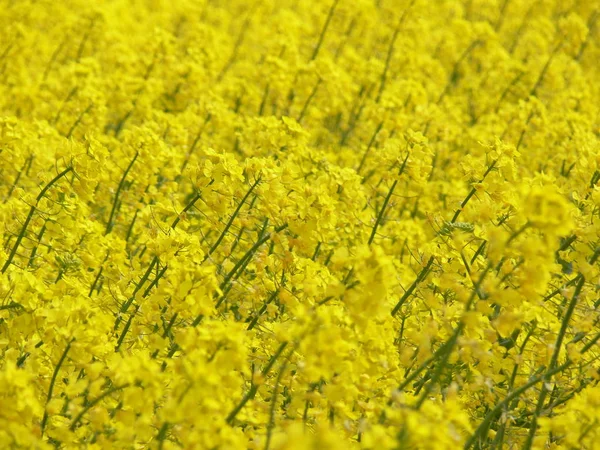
189 206
449 345
271 423
540 79
420 277
162 435
390 52
386 201
126 329
484 425
94 402
34 250
371 142
324 30
471 193
308 100
454 73
78 120
53 382
231 219
500 434
553 361
16 182
109 225
254 388
244 260
238 43
30 216
262 310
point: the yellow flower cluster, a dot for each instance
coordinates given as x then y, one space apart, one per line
300 224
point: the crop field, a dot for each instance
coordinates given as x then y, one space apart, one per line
300 224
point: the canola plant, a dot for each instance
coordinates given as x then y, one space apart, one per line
299 224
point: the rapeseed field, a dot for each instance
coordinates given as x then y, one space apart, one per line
300 224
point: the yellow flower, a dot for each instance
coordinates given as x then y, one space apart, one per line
548 210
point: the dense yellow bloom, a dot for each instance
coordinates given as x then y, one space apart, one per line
297 224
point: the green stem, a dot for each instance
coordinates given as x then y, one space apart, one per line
30 216
262 310
109 225
254 388
484 425
271 423
53 382
185 210
231 219
371 142
386 201
472 193
553 361
390 51
94 402
324 30
420 277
